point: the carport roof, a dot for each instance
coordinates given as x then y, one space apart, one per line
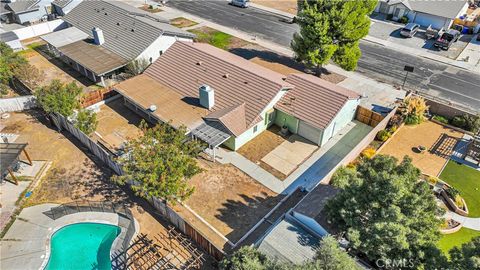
95 58
64 37
211 132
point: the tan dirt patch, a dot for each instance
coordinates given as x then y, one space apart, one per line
426 134
229 200
289 6
116 124
182 22
260 146
151 10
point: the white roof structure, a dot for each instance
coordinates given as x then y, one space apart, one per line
64 37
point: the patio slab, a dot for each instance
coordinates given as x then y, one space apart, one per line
290 154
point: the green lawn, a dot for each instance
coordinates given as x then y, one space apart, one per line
213 37
467 181
448 241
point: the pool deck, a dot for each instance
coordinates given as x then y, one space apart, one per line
26 244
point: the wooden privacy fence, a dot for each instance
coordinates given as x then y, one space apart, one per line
93 97
63 123
187 229
368 117
165 211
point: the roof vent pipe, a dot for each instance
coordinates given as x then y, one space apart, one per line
98 36
206 96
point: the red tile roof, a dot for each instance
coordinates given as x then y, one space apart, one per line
314 100
186 66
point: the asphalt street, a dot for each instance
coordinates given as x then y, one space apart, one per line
378 62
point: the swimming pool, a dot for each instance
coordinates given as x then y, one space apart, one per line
82 246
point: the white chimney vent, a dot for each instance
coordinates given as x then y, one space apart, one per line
152 108
98 36
207 96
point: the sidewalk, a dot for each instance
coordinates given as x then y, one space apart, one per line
467 222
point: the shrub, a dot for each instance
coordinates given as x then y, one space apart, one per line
414 108
383 135
467 122
59 97
389 17
392 129
459 201
86 121
403 20
396 120
452 192
368 152
432 180
150 7
440 119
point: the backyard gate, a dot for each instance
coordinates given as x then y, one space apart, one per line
368 117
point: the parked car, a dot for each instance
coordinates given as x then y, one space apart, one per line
447 39
433 33
409 30
240 3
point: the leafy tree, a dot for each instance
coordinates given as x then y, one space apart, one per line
29 75
137 66
389 214
467 257
86 121
246 258
160 162
59 97
331 29
329 257
10 61
344 176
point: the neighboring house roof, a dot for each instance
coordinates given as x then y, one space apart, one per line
288 242
23 6
61 3
96 58
443 8
186 66
126 30
314 100
313 205
64 37
8 36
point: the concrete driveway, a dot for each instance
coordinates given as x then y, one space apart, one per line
391 32
290 154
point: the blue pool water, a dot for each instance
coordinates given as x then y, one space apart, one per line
82 246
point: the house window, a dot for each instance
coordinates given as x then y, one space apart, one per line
255 128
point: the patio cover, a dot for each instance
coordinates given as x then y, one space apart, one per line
9 153
211 132
96 58
64 37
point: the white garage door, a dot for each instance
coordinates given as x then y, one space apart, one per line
308 132
426 20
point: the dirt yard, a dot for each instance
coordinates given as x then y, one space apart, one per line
260 146
73 175
289 6
182 22
438 140
54 68
116 125
230 200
